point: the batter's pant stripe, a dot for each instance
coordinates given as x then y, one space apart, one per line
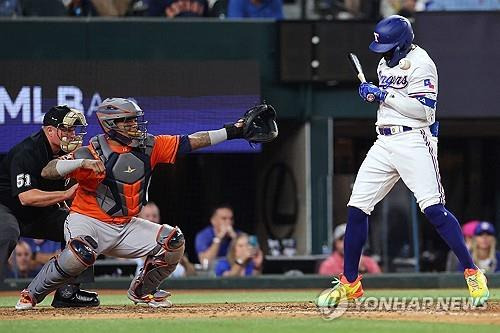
436 168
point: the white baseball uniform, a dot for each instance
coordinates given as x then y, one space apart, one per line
400 151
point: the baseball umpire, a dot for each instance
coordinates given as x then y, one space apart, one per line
31 206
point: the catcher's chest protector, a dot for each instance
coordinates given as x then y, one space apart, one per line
123 191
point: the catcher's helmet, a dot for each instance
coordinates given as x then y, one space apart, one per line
393 33
112 111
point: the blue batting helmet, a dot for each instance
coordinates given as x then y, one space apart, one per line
393 33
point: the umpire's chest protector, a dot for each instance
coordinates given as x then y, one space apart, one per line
123 191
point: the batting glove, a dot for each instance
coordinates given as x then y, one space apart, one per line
367 88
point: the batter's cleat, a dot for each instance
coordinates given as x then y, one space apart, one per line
156 300
26 302
477 283
71 296
353 289
341 292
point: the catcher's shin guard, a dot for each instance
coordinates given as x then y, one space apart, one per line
73 260
159 264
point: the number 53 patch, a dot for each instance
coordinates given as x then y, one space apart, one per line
23 179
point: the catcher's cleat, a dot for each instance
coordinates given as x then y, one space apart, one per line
477 283
26 302
156 300
71 296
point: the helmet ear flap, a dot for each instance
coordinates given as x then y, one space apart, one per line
391 63
399 53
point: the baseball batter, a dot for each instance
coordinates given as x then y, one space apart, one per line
113 174
406 148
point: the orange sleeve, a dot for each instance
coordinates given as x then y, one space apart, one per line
165 149
79 174
73 174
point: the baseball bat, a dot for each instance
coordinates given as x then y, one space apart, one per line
356 65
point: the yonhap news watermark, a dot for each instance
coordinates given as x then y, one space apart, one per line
337 307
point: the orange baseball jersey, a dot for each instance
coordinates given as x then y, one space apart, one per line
85 202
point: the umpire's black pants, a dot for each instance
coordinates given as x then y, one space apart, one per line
49 227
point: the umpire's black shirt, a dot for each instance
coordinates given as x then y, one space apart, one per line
20 171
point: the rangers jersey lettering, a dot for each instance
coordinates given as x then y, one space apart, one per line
420 81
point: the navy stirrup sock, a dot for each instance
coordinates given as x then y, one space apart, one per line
449 229
354 240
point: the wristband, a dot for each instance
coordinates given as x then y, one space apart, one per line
65 167
216 240
217 136
240 262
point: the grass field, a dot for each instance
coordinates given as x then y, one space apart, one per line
243 311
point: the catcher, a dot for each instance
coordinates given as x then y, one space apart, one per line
113 173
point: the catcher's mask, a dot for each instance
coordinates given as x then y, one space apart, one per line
70 124
262 124
123 120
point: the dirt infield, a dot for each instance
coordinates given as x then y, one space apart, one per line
490 315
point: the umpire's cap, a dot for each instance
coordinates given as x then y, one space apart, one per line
55 116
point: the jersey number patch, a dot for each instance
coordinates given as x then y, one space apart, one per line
23 179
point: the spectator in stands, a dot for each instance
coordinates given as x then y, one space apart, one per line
178 8
151 212
111 7
218 8
81 8
484 252
255 9
334 264
20 262
437 5
406 8
213 241
242 259
10 8
44 8
468 229
58 8
42 250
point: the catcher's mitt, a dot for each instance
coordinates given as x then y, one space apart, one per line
259 124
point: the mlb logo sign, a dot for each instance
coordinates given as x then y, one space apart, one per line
427 83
